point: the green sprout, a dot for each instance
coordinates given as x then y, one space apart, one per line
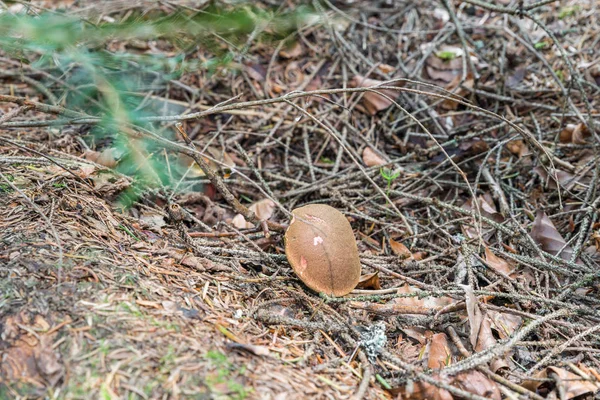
389 176
566 12
446 55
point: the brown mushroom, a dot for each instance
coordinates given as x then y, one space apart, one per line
320 247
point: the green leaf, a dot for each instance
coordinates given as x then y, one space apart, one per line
446 55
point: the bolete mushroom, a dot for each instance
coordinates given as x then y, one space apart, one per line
320 247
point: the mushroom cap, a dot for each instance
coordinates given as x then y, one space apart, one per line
320 247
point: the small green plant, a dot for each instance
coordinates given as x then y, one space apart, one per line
389 176
225 372
446 55
566 12
111 87
167 361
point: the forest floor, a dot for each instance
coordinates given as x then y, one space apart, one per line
460 140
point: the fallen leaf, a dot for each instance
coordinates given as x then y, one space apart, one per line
547 236
400 249
371 159
439 352
375 102
293 51
423 391
152 221
415 333
566 179
486 207
256 72
222 163
446 64
240 222
474 314
574 134
516 77
477 383
263 209
458 87
518 148
497 264
386 69
27 357
480 336
197 263
369 281
428 302
504 323
573 385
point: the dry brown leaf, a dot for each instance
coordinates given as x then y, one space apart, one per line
504 323
294 75
566 179
441 66
485 340
374 102
518 148
406 305
371 159
428 302
573 384
453 86
263 209
439 352
400 249
256 72
497 264
293 51
194 262
240 222
547 236
26 357
575 134
416 333
369 281
152 221
477 383
107 158
386 69
481 336
487 207
85 171
424 391
474 315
